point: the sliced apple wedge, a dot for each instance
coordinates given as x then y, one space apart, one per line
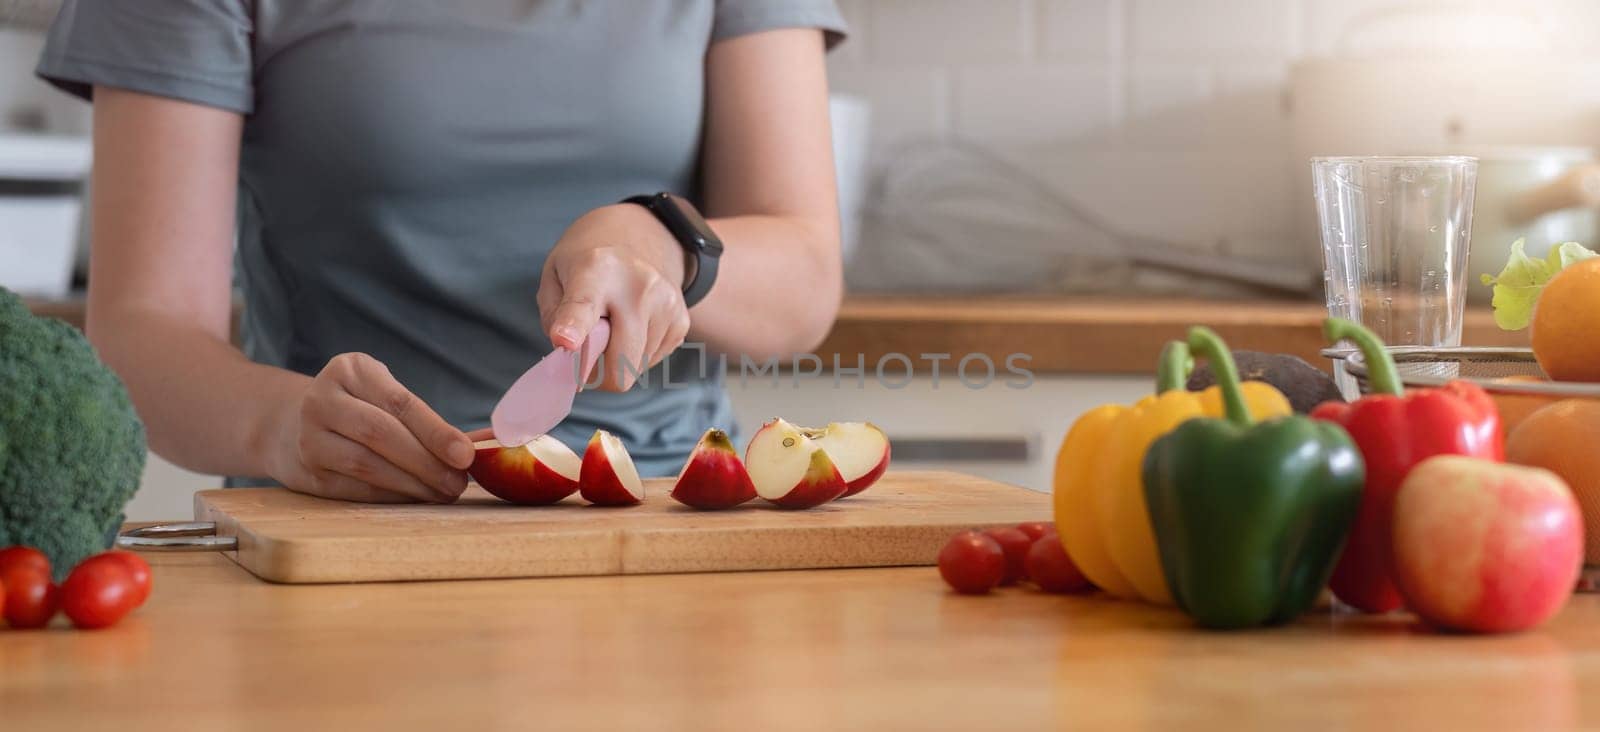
790 469
538 473
859 449
713 478
607 477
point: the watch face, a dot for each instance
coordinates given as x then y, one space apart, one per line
695 226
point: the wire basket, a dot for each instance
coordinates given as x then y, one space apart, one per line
1512 377
1510 371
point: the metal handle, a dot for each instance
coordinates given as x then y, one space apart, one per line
190 536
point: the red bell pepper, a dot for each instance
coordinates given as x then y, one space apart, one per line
1395 430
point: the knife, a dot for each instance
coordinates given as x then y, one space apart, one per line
542 396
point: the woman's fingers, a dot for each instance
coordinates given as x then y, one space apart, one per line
332 453
363 425
329 484
548 298
647 314
677 331
384 434
370 381
624 356
664 304
583 302
364 437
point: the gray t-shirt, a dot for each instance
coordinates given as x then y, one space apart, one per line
407 166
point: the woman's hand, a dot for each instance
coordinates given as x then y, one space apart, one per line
356 434
616 262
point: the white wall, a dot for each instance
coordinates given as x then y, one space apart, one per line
1087 79
1171 118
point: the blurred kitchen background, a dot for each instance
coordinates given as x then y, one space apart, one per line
1065 147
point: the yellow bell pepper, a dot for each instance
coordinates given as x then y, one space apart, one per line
1076 520
1099 493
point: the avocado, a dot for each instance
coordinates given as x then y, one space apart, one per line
1305 385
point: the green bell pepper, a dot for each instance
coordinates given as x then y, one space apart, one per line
1249 518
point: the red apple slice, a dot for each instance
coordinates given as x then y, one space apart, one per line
790 469
540 472
713 478
859 449
608 477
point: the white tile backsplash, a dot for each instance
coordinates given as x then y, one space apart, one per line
907 103
1173 118
1154 90
1133 90
1347 25
1056 103
1080 29
1168 105
1209 30
945 32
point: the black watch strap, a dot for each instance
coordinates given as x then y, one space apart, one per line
693 234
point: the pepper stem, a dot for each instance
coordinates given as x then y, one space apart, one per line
1172 371
1382 376
1205 343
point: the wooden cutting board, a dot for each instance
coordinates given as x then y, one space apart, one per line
903 520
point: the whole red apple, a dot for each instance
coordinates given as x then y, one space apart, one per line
1485 547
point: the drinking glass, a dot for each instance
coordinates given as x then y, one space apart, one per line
1396 232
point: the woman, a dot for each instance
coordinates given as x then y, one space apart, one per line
426 198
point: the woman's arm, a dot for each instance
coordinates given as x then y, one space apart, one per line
163 187
769 194
160 282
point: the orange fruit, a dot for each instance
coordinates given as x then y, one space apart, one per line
1566 324
1516 407
1561 438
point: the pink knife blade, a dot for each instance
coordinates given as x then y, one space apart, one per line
542 396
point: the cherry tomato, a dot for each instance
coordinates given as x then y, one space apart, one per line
23 556
2 601
138 571
30 597
972 563
1036 529
1052 569
1015 544
98 592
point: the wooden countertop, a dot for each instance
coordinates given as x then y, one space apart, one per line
1062 335
833 650
1087 334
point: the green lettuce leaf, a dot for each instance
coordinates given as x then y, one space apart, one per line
1569 254
1517 288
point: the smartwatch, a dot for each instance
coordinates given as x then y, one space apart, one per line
693 234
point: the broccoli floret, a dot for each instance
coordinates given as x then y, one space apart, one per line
71 447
